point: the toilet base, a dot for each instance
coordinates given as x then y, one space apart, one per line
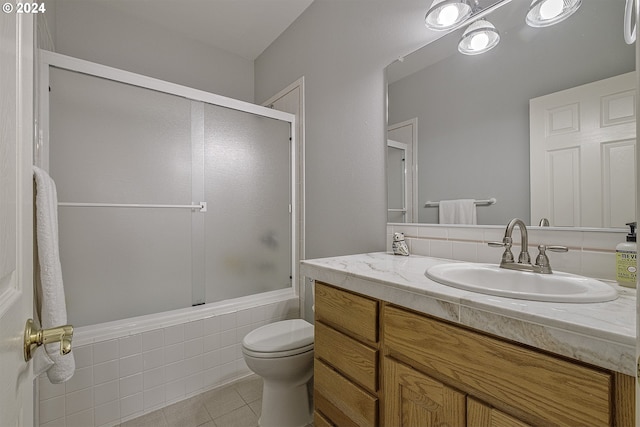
298 413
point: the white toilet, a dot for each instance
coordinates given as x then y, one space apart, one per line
282 354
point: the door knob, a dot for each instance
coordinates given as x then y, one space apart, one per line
34 336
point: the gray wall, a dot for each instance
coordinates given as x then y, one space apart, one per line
342 48
98 32
473 111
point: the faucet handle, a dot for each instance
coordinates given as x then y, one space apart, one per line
542 260
497 244
506 243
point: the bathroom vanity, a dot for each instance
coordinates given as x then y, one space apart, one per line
395 348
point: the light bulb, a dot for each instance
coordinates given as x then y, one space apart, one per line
479 41
448 15
550 9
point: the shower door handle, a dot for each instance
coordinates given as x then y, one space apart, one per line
34 336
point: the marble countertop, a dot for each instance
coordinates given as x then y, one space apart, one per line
602 334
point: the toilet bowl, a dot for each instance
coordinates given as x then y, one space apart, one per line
282 354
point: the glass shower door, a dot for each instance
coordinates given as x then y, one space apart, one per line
247 181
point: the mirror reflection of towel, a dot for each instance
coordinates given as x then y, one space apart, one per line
461 211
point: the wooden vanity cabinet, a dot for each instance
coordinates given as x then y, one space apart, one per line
346 362
438 372
378 364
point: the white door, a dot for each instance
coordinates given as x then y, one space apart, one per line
583 143
16 248
407 133
397 189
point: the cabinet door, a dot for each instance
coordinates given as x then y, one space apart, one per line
412 399
482 415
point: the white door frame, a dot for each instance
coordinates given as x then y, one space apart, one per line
411 127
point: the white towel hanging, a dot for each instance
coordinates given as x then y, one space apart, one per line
461 211
52 308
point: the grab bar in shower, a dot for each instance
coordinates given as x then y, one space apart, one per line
202 207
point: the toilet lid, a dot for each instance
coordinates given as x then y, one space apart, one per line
279 336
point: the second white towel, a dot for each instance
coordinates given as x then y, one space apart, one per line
461 211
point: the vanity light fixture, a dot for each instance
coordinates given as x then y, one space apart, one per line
543 13
479 37
446 14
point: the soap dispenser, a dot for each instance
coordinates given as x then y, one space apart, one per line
626 259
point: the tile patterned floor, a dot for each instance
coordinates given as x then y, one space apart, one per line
236 405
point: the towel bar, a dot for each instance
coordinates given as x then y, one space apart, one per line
202 207
487 202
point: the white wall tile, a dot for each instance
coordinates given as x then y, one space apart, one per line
152 340
130 345
174 371
211 325
59 422
173 334
432 232
228 337
601 265
81 419
420 247
603 241
130 385
211 359
465 251
48 390
130 365
78 401
52 409
243 317
212 342
441 249
174 390
131 405
193 384
82 378
228 322
83 356
104 372
152 359
193 365
193 330
153 378
193 347
105 351
154 397
465 233
105 393
107 413
173 353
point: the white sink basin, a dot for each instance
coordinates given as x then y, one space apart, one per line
493 280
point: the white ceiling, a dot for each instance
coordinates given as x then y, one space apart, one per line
243 27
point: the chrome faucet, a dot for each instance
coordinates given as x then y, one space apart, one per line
524 259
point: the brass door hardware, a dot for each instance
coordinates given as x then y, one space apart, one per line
34 336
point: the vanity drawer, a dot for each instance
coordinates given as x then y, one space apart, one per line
353 359
352 314
337 397
550 390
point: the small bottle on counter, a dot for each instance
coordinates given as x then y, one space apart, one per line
626 259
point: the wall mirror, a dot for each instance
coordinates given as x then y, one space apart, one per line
470 120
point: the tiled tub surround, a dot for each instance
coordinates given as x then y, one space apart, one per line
591 251
128 368
602 334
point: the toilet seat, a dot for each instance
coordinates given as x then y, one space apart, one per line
279 339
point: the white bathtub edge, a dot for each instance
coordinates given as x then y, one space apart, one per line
85 335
